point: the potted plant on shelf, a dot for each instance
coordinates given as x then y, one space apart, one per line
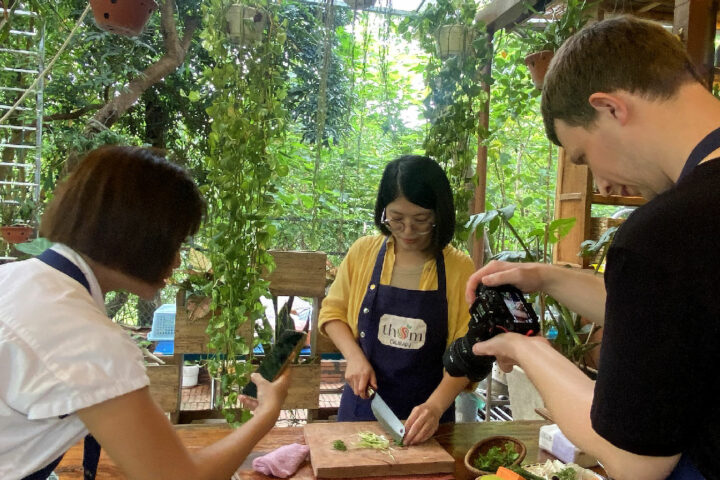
543 43
564 329
126 17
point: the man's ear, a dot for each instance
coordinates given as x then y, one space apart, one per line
612 105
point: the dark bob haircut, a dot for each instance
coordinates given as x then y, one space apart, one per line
423 182
126 208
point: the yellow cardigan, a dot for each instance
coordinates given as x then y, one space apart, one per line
353 276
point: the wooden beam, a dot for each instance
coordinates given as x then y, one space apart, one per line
508 13
694 22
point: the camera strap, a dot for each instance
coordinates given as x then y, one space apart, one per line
707 145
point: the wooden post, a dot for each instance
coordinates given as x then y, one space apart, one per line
572 199
694 22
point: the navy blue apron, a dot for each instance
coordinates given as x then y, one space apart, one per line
91 448
403 334
685 469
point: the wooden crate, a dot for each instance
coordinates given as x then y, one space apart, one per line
165 381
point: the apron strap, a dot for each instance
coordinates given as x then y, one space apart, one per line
706 146
62 264
91 447
685 470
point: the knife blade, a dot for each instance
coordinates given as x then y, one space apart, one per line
385 416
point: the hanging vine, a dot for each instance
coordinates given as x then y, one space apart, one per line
247 81
456 95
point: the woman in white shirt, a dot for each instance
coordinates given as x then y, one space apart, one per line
118 222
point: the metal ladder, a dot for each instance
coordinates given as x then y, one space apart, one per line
22 59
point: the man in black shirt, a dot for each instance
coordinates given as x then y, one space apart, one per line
622 97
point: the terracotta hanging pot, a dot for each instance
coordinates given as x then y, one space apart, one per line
538 63
16 233
124 17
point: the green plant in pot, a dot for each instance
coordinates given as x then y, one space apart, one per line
247 84
562 327
542 43
16 220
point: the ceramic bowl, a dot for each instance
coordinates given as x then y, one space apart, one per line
483 446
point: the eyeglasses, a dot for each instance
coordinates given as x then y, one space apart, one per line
398 226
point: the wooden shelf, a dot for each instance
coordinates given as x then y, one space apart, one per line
617 200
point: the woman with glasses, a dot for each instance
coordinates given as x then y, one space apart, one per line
398 301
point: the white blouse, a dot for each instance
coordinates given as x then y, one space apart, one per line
59 352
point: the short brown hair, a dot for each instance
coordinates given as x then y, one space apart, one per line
127 208
622 53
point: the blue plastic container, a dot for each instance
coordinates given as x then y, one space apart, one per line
165 347
163 326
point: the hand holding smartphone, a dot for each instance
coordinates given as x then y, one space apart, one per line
286 348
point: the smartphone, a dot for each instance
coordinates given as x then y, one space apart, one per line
286 348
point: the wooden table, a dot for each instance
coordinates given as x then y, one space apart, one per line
455 438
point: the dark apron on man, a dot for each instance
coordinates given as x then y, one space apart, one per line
91 450
403 334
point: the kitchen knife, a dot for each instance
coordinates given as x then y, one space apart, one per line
385 417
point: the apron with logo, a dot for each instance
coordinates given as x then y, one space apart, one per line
91 448
403 334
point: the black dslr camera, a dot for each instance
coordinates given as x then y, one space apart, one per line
495 310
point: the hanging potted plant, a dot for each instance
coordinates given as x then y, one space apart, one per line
542 44
456 92
453 39
247 115
15 221
245 24
359 4
124 17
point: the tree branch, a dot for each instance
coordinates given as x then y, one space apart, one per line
175 51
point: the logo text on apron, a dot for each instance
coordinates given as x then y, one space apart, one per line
402 332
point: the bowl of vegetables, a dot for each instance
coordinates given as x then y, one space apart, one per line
487 455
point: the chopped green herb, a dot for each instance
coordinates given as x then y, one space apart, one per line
373 440
568 473
339 445
497 457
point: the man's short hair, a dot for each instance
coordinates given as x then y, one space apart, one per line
126 208
622 53
422 181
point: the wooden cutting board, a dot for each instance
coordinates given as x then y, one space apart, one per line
428 457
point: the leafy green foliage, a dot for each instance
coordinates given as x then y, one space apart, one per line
575 15
248 87
497 457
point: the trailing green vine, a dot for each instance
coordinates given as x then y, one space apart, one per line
456 95
247 115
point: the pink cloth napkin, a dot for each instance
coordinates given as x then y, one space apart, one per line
282 462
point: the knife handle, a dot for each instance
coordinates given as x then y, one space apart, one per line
370 391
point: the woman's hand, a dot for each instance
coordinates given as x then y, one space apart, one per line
422 423
270 395
359 374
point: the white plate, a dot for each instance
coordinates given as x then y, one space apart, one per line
536 469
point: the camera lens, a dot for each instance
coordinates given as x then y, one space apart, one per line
460 361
